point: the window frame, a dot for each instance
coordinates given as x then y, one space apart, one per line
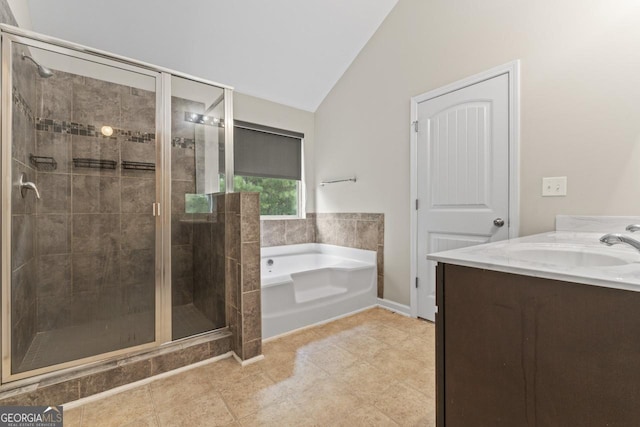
302 193
301 185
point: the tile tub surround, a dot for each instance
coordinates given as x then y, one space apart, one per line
242 240
353 230
372 368
66 387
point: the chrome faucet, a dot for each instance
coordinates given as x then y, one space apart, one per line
27 185
633 228
616 239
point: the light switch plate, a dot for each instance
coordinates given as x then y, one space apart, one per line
554 186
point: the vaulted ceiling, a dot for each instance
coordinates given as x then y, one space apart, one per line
288 51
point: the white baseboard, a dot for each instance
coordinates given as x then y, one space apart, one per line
405 310
248 361
94 397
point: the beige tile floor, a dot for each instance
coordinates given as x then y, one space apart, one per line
374 368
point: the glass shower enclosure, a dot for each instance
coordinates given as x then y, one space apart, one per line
109 173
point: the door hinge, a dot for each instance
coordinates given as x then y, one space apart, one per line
156 209
417 204
416 282
415 126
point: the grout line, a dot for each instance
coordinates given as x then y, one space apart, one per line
155 408
81 415
235 418
396 382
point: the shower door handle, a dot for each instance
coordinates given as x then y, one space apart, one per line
27 185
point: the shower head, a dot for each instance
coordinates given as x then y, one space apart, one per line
43 71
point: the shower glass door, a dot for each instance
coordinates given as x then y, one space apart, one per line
79 163
197 218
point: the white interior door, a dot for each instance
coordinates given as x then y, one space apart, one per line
463 175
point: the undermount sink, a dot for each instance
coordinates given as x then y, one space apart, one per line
569 256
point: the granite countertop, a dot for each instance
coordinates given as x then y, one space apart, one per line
538 255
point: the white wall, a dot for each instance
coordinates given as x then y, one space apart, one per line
580 108
257 110
20 10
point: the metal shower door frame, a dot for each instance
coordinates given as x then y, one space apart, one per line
161 208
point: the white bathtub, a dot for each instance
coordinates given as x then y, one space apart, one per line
312 283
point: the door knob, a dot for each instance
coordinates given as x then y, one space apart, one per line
498 222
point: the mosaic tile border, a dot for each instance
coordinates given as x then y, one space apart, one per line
21 104
188 143
73 128
80 129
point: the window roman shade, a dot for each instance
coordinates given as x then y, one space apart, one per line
267 152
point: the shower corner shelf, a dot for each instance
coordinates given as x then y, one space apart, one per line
94 163
43 162
140 166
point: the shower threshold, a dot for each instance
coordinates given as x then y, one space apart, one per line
102 336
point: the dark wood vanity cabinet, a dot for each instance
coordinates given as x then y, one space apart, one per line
515 350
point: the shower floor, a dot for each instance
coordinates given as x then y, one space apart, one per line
188 320
89 339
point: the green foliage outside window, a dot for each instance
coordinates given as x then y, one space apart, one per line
197 203
277 196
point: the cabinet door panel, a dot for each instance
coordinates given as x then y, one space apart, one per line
484 342
524 351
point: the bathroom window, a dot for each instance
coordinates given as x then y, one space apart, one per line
270 161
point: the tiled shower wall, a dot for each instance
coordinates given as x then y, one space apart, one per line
209 265
95 232
353 230
244 314
98 237
23 227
